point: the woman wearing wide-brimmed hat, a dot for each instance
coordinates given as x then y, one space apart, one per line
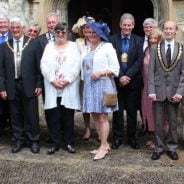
99 66
81 28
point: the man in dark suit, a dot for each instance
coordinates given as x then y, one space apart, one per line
51 22
4 36
148 25
129 82
166 88
20 84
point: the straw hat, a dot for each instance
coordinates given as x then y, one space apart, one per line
81 22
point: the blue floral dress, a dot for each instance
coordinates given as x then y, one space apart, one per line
94 89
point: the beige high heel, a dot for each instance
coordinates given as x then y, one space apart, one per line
94 151
101 154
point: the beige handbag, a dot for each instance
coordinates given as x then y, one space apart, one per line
110 99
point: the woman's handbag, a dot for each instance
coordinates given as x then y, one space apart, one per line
110 99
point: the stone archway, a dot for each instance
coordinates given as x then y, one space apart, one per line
58 6
160 9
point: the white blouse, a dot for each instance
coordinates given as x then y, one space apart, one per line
65 65
105 58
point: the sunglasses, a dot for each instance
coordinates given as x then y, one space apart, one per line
33 31
60 32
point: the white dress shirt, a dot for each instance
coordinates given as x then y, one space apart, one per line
145 45
17 59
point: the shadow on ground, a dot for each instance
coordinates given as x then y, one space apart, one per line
122 166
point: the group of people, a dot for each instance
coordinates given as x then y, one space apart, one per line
131 72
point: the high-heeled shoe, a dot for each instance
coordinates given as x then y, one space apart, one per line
100 155
97 150
94 151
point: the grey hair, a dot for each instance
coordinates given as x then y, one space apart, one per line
150 21
5 17
55 15
34 24
127 16
18 20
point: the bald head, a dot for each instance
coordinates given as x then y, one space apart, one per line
170 28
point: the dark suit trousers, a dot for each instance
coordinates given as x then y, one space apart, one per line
61 120
24 115
128 100
171 110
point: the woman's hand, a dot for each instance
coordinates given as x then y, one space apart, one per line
96 75
64 83
57 84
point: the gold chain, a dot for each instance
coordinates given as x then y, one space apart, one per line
164 67
18 53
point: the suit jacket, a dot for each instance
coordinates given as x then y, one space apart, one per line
135 59
30 69
41 42
165 85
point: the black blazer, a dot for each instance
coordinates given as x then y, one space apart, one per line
135 59
30 69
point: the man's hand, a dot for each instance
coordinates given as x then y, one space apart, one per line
3 95
153 97
38 91
124 80
176 98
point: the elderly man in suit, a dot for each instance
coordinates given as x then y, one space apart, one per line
20 84
166 88
129 83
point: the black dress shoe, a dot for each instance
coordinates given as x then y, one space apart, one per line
70 149
133 143
172 155
52 150
156 155
116 143
35 148
17 147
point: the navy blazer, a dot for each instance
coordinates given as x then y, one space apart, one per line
135 59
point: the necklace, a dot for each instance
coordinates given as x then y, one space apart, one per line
174 64
13 50
98 46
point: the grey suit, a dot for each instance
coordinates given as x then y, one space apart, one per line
165 85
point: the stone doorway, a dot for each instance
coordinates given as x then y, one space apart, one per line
110 11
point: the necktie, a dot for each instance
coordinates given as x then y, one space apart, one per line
18 60
2 39
168 55
125 44
125 47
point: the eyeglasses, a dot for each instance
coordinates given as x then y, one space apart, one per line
32 30
59 32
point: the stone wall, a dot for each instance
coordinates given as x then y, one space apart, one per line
36 10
